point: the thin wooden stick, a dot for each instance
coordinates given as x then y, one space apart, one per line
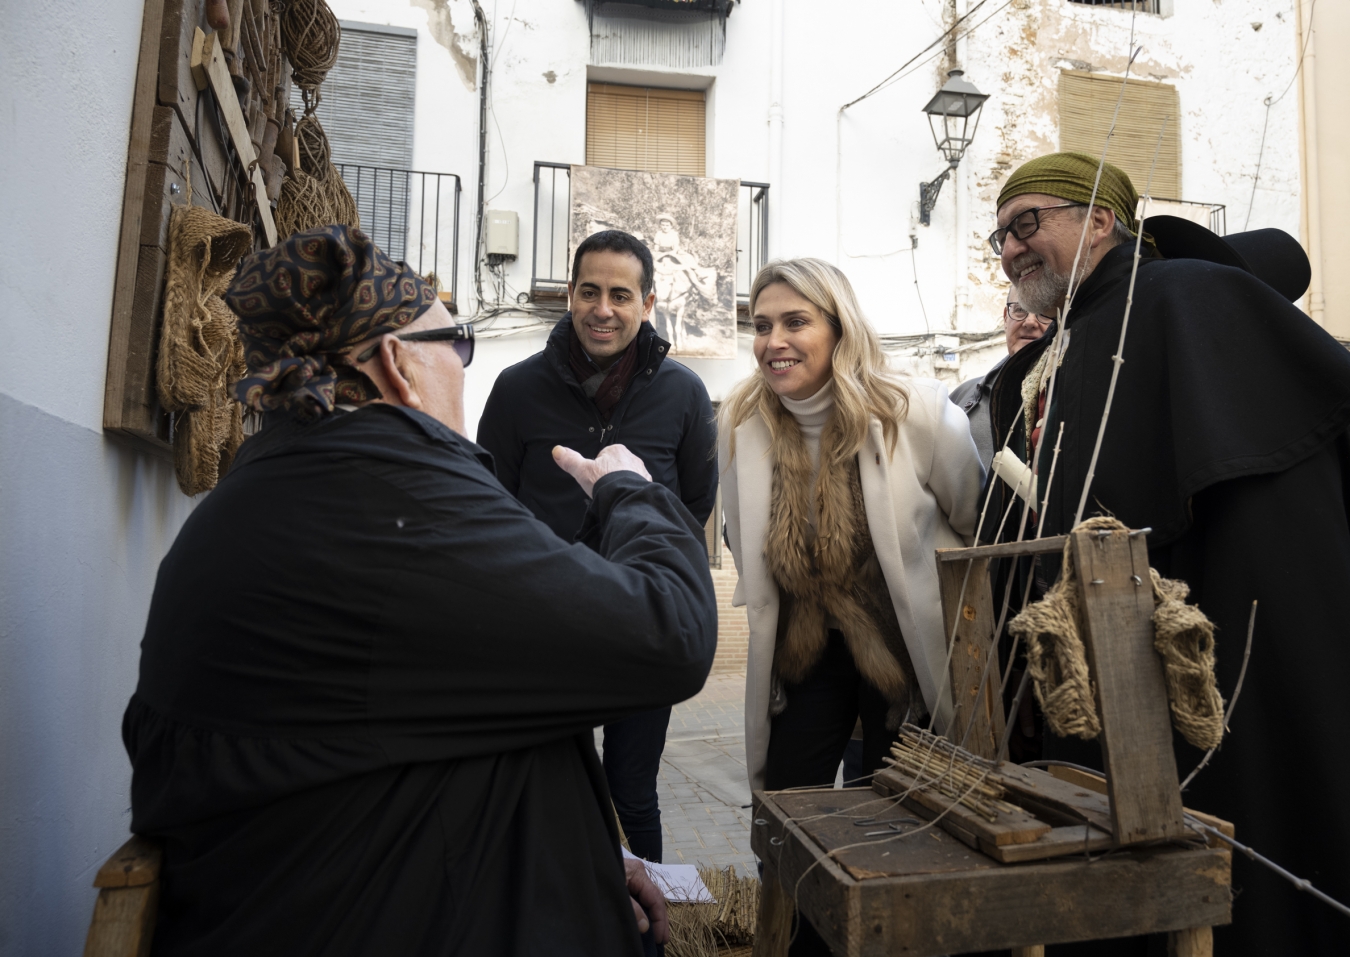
1237 690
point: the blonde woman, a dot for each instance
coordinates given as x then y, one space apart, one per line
839 479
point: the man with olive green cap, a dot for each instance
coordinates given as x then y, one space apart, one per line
1228 439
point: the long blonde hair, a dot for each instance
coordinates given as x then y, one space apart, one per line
865 387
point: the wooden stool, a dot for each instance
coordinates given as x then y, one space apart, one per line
124 914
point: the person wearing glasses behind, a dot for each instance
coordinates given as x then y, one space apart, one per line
839 479
1020 328
369 674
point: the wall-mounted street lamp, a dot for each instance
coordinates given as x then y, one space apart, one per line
957 106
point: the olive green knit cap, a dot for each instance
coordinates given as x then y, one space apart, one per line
1070 176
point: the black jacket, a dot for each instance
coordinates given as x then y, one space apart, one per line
664 418
367 688
1227 437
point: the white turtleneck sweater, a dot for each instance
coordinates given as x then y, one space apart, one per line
811 415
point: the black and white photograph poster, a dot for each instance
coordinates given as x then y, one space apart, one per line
689 223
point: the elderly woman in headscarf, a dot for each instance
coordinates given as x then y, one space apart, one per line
369 675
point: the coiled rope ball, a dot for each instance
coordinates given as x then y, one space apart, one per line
311 35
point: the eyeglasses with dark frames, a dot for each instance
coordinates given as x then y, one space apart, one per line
1023 225
1018 313
461 337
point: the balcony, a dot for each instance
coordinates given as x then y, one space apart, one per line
1213 216
552 208
414 217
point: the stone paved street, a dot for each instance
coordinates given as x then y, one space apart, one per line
702 788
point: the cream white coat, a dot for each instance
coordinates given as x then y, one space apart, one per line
922 497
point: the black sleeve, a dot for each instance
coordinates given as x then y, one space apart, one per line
696 459
497 433
511 637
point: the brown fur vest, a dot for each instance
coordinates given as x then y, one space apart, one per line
837 575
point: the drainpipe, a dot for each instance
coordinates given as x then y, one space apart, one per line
1312 198
482 153
776 128
961 315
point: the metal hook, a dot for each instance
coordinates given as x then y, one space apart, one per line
760 822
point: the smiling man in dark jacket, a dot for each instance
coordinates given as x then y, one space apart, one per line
604 378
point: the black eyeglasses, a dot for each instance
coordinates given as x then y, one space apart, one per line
1023 225
1018 313
460 336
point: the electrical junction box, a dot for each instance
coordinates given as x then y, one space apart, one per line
503 235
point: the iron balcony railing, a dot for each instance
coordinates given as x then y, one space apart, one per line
1214 216
552 208
414 217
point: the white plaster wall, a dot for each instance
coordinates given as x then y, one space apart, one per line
85 521
849 186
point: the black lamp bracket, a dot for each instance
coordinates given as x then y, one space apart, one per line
928 194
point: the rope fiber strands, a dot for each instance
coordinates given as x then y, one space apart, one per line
718 929
1057 662
200 355
311 35
314 195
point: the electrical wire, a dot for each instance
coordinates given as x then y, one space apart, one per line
945 33
1261 153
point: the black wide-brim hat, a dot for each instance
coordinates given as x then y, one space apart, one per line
1271 255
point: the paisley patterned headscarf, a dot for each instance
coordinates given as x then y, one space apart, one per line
303 303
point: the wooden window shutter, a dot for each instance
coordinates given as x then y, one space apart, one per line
1086 102
635 127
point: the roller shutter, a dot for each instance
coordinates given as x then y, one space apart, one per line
1086 103
633 127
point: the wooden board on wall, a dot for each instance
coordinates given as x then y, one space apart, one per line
178 152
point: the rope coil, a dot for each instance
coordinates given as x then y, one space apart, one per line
314 195
311 36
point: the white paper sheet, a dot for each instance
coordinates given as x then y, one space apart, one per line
680 883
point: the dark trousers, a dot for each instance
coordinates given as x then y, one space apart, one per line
807 741
632 761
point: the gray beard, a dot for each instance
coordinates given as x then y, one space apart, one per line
1043 294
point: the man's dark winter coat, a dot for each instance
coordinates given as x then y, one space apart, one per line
1227 437
664 418
367 688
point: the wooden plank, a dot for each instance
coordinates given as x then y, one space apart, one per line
166 176
1037 950
1116 614
1038 546
218 77
133 209
978 710
174 86
123 922
1097 783
1051 799
1059 842
806 873
134 864
1020 828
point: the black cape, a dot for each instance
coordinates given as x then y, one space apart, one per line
1227 437
367 688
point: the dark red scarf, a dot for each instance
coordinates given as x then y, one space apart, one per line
616 380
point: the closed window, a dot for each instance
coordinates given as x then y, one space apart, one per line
1086 103
636 127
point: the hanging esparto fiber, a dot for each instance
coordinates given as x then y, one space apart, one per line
200 356
720 929
311 35
1056 659
314 195
1182 635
